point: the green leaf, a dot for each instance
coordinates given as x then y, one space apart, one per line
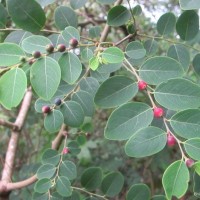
45 3
35 43
40 103
106 1
38 196
196 188
196 63
158 197
56 196
187 25
100 77
95 32
118 15
28 15
17 37
71 67
94 63
151 47
89 85
138 192
50 156
10 54
77 4
127 120
69 33
112 184
156 70
135 50
53 121
12 87
137 10
175 179
74 148
192 147
64 16
91 178
186 123
86 101
196 167
43 185
46 171
3 16
166 24
45 77
113 55
181 54
63 186
189 5
73 113
68 169
86 54
115 91
178 94
146 142
109 67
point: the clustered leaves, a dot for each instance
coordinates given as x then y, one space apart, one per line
70 76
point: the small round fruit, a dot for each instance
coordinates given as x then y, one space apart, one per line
65 150
30 62
36 54
142 85
61 47
171 141
50 48
158 112
23 59
46 109
189 162
73 42
57 101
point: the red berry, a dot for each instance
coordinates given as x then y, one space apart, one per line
61 47
158 112
171 141
142 85
46 109
36 54
73 42
49 48
65 150
189 162
30 62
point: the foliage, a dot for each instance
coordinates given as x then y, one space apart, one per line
75 70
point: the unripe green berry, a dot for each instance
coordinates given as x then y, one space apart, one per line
49 48
23 59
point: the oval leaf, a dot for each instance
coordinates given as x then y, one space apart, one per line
46 171
116 91
70 67
45 77
73 113
113 55
53 121
178 94
175 179
156 70
118 15
128 119
28 15
12 87
186 123
10 54
135 50
187 25
146 142
91 178
68 169
63 186
50 156
43 185
112 184
192 147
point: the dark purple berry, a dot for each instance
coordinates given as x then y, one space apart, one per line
61 47
73 42
57 101
30 62
50 48
36 54
46 109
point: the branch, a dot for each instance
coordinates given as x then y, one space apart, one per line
106 29
8 124
6 186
